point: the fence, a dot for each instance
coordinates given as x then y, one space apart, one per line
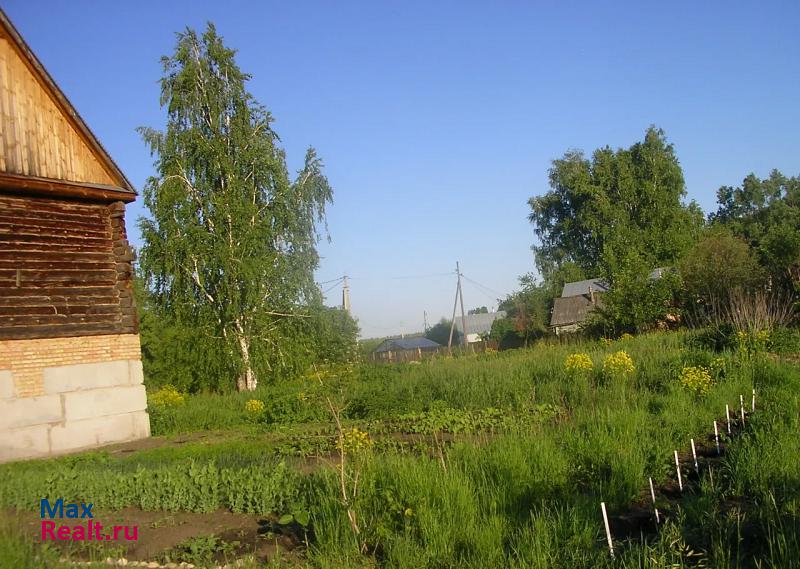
420 354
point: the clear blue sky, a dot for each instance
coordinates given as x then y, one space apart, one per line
438 120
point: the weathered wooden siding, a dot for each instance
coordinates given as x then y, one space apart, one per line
37 137
64 269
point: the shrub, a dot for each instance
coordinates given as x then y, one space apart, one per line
618 364
697 380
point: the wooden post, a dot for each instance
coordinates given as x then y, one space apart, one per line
608 529
653 496
728 417
741 406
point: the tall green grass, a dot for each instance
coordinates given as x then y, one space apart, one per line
525 493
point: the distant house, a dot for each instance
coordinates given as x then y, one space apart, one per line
478 325
404 349
578 300
570 312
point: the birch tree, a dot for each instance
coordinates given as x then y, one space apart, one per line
229 246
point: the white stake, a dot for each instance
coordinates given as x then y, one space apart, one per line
694 457
678 468
716 436
608 529
728 417
653 496
741 406
753 402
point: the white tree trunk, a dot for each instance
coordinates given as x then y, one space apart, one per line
247 380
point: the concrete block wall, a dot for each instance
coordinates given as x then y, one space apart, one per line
67 394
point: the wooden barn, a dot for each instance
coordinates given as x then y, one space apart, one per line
70 359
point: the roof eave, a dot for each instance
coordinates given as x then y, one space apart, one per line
63 102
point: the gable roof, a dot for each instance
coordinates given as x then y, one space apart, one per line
397 344
45 121
582 287
572 310
479 323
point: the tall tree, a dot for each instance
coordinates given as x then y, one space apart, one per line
766 213
230 244
621 200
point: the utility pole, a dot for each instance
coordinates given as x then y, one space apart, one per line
346 296
463 318
425 320
459 295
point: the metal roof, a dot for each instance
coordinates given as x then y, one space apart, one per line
398 344
582 287
479 323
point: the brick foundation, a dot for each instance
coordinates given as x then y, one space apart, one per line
63 394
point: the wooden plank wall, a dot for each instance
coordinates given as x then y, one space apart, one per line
64 269
36 139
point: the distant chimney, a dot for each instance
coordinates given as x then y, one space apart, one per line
591 295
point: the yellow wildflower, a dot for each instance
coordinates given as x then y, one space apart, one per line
618 364
578 364
696 380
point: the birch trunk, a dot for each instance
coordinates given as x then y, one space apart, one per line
247 380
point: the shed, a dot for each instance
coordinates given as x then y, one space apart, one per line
404 349
401 344
70 358
569 313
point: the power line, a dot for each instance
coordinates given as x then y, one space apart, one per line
326 291
400 277
484 287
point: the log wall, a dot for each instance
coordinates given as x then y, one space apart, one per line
64 269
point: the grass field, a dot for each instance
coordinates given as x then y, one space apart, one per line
496 460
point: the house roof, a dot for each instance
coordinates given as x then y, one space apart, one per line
572 309
397 344
582 287
121 186
479 323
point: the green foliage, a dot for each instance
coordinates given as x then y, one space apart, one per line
201 550
636 302
440 333
716 265
528 311
620 201
229 247
185 485
766 213
335 336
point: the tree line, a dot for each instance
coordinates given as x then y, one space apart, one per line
620 214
